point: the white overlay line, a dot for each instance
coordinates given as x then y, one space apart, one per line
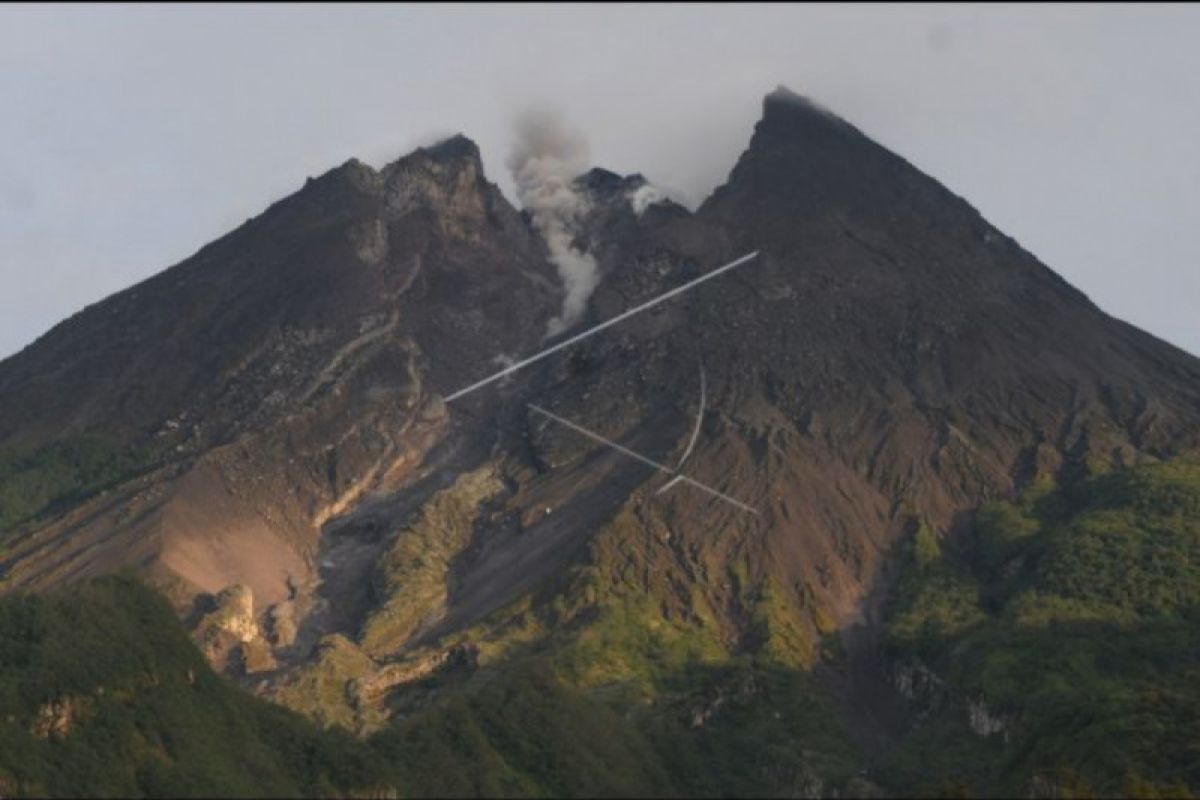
596 329
626 451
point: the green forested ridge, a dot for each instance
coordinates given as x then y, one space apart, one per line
1073 622
1068 624
103 694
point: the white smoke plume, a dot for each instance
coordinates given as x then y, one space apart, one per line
645 196
545 159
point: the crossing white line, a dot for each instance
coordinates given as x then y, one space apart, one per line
626 451
597 328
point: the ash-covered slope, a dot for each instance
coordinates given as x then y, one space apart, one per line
888 360
289 288
262 385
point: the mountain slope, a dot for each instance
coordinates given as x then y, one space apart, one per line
1062 651
266 382
887 357
1059 670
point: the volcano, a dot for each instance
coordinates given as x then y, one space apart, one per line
262 433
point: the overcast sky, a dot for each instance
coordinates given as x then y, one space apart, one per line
131 136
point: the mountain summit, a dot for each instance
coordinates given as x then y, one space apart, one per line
262 432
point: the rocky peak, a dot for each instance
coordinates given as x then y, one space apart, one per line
788 113
604 188
334 196
804 159
446 179
618 208
807 168
456 147
600 183
352 173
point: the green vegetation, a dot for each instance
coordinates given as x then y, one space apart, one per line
61 475
625 643
650 720
1054 651
1075 627
619 684
102 693
328 689
615 682
934 601
746 729
410 579
524 734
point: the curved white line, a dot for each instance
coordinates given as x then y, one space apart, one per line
699 420
695 435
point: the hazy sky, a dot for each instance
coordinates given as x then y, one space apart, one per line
131 136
